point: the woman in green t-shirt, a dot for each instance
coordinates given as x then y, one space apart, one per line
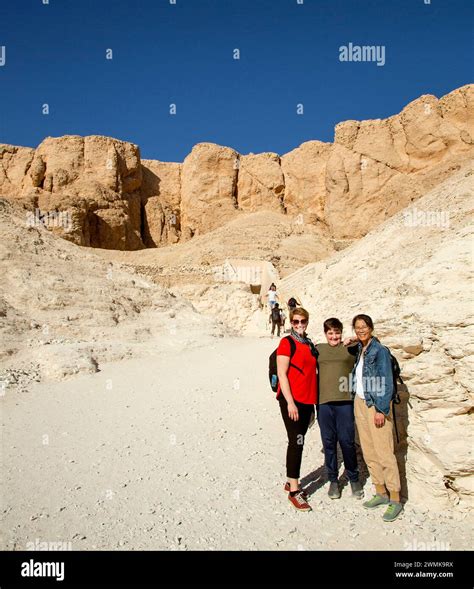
335 407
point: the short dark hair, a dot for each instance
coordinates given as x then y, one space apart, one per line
332 323
368 320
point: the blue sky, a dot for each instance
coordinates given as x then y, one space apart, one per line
183 54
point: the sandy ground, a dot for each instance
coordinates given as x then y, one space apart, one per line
179 452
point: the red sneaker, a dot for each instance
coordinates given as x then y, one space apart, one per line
299 502
287 489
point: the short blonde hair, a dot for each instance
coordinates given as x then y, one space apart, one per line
299 311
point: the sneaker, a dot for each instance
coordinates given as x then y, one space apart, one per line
357 490
299 502
393 510
376 501
287 489
334 491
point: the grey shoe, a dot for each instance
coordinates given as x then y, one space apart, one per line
334 491
376 501
393 510
357 490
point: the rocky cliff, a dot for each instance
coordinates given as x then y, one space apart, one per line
115 200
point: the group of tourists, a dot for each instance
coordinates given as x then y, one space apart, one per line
347 383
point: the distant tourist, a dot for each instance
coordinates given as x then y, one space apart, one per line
372 385
335 407
276 319
296 393
292 304
272 296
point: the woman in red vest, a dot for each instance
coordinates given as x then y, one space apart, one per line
297 390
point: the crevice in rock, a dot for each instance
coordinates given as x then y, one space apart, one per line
143 224
283 192
235 184
28 165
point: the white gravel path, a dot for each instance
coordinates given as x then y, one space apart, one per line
180 452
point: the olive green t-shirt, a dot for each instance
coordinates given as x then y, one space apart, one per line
335 364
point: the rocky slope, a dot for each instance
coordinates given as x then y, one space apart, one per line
115 200
65 311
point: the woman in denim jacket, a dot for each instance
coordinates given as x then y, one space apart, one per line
372 390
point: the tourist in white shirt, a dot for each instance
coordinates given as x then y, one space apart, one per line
272 296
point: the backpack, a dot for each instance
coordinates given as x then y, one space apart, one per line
276 314
396 370
272 362
396 375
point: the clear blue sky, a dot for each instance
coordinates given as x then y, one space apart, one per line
183 54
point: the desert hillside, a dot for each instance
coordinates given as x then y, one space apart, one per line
65 311
146 279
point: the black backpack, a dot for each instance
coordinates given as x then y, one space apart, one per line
276 314
396 375
272 362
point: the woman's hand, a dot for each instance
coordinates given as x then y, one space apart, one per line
379 419
293 411
350 340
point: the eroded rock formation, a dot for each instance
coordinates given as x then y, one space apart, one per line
118 201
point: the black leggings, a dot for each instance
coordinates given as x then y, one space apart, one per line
296 431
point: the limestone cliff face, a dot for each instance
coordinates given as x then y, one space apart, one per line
118 201
305 170
95 179
260 183
208 188
380 166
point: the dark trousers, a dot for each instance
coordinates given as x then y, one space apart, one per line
276 324
336 423
296 431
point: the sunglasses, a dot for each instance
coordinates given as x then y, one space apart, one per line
298 321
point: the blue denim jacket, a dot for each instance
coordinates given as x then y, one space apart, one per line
377 376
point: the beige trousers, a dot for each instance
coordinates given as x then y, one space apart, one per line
377 446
